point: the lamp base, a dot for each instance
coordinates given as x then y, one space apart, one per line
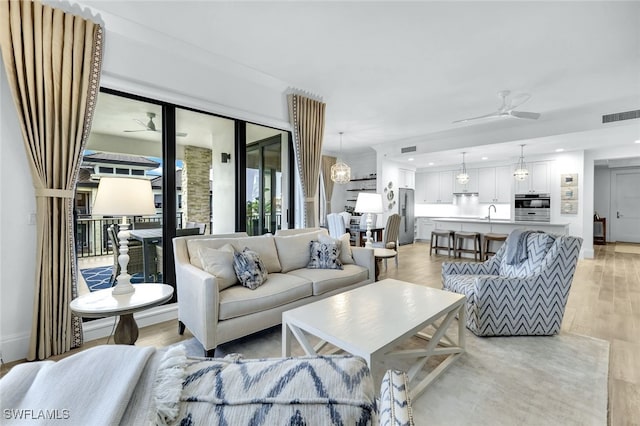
124 279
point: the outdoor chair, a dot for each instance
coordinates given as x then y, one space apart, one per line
391 235
510 295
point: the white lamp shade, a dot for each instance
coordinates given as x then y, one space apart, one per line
119 196
369 203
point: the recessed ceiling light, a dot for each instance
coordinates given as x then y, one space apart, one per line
411 159
431 164
485 158
559 149
637 141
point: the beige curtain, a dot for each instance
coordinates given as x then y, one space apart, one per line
307 118
53 61
327 162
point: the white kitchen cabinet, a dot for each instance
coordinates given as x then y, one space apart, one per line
494 184
538 180
424 226
406 178
438 188
471 186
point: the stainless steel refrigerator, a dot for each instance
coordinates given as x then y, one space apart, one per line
406 199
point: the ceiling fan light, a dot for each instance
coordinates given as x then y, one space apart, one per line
340 173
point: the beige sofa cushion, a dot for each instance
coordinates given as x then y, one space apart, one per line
219 263
325 280
345 246
278 290
293 250
263 245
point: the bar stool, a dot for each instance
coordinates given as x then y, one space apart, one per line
459 240
441 233
487 243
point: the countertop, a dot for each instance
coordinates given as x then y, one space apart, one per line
494 221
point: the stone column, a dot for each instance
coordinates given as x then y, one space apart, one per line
195 185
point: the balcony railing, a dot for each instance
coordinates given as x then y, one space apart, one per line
92 238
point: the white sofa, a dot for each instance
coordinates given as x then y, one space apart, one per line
217 315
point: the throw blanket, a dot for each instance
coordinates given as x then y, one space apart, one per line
517 246
92 387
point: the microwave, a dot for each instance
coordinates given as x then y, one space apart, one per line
532 208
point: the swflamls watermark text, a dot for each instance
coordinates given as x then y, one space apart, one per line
30 414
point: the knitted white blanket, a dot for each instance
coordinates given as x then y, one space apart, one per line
93 387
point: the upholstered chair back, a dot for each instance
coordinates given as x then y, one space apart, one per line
537 246
336 225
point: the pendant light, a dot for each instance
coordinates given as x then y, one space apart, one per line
463 176
340 172
521 172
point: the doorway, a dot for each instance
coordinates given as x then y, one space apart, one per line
625 206
264 186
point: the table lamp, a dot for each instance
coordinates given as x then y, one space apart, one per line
369 203
120 196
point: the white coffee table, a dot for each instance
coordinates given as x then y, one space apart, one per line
369 321
103 303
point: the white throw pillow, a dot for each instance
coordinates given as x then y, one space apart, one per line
346 257
219 263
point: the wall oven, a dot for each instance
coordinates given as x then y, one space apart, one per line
532 208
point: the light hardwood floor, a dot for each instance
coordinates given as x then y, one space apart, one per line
604 302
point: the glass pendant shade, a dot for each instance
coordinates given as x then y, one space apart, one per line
463 177
340 172
521 172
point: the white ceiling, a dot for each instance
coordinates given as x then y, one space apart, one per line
402 72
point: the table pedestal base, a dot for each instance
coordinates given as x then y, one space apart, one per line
126 330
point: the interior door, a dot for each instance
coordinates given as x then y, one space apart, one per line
625 206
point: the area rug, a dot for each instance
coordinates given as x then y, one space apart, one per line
100 277
627 248
554 380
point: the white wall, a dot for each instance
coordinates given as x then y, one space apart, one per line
17 236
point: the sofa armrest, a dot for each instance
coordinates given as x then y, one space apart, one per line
198 303
395 403
364 257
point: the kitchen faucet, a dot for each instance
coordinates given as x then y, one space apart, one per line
494 210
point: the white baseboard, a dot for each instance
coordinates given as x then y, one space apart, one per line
15 347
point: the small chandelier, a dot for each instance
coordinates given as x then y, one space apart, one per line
521 172
463 176
340 172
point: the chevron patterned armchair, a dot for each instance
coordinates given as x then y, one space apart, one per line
526 298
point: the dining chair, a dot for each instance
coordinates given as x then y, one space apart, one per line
391 235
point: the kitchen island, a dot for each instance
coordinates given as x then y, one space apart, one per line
500 226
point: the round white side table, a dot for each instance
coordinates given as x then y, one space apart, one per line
103 303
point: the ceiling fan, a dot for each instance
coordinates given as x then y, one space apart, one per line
151 126
507 109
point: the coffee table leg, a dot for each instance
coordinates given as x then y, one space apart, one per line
286 340
126 330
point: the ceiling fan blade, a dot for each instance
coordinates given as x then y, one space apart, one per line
525 114
518 100
481 117
141 123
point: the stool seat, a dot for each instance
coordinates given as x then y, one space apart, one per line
488 238
459 239
442 233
